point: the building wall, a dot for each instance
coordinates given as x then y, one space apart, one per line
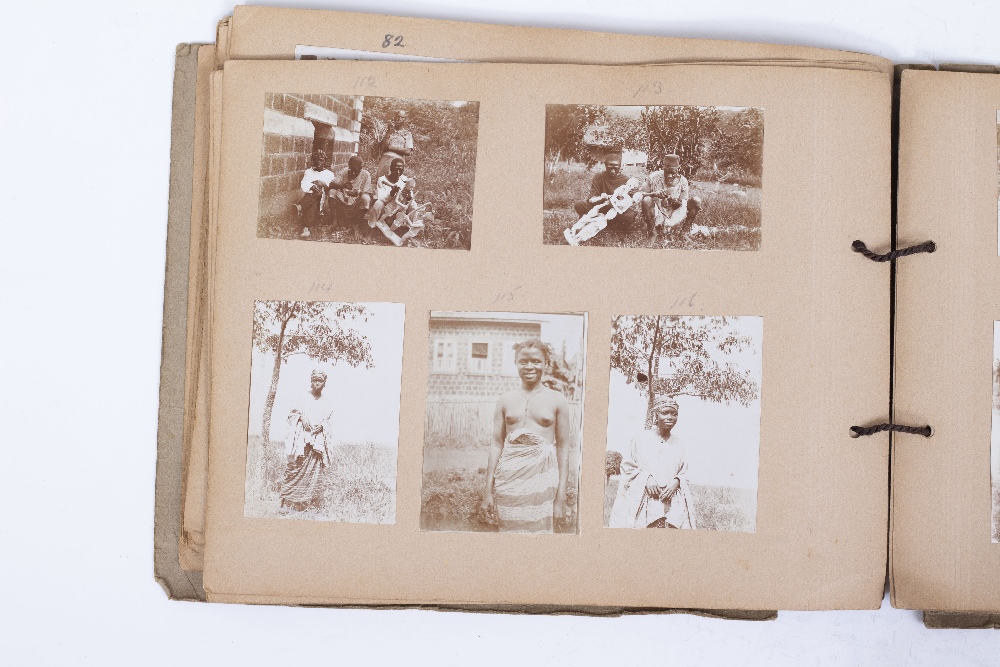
464 383
294 126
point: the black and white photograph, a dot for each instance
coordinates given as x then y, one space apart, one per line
368 170
686 177
683 423
314 450
502 432
995 440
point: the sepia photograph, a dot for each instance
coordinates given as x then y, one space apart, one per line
684 177
995 439
316 369
683 423
368 170
502 431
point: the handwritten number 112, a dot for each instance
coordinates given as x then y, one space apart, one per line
392 40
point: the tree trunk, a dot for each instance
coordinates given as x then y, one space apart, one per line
650 373
272 392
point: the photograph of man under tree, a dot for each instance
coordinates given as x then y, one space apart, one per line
710 367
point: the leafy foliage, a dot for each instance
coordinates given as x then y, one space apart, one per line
443 160
640 343
723 144
313 328
612 463
316 329
720 144
565 127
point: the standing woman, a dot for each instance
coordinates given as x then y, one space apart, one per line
529 457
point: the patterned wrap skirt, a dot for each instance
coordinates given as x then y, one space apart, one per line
303 484
525 483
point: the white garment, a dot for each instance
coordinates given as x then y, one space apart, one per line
311 175
318 412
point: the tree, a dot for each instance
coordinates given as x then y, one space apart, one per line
722 142
692 347
316 329
565 127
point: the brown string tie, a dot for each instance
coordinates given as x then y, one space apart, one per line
926 246
858 431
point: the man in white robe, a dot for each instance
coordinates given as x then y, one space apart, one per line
654 491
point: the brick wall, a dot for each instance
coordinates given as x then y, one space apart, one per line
294 126
500 336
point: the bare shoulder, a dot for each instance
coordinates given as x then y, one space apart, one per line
556 397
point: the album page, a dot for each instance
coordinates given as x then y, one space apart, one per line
282 33
324 35
484 332
946 488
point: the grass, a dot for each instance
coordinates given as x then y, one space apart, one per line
440 181
715 507
451 496
359 485
731 212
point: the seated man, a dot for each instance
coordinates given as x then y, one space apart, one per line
605 183
387 187
668 202
350 192
313 201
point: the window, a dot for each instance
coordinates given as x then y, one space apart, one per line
508 367
479 357
444 357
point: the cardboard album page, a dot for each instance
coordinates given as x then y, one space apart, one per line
946 488
282 33
267 32
484 332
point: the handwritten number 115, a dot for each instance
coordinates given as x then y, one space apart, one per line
392 40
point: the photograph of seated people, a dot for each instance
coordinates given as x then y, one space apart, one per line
653 177
368 170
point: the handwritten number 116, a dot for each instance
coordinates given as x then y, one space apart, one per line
392 40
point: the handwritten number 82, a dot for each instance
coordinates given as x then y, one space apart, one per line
392 40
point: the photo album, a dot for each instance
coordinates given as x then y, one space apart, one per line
504 318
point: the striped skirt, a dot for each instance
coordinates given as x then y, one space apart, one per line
303 485
525 483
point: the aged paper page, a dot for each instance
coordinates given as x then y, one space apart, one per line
274 33
819 536
942 554
196 371
267 32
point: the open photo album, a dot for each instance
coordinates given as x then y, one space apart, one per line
502 318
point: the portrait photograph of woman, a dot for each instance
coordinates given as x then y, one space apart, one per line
503 423
316 367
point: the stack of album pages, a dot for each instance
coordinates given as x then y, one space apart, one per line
490 317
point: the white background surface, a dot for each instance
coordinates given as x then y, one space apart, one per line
86 94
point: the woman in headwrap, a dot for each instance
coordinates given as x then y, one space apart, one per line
307 446
529 457
654 491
